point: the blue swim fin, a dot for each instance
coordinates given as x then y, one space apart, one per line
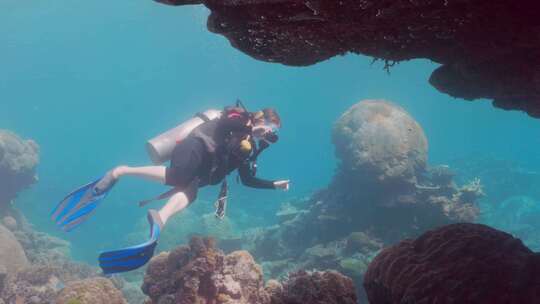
131 258
78 205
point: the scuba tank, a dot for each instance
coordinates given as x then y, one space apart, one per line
160 147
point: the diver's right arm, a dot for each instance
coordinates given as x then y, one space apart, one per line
251 181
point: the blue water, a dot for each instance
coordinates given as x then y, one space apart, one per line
91 81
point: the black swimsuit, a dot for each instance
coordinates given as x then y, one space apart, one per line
193 166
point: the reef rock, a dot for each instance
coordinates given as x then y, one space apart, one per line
12 256
459 263
380 143
199 273
91 291
42 248
18 161
487 48
328 287
39 284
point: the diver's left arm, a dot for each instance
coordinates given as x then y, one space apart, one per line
251 181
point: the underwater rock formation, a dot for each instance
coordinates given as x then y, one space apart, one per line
488 49
328 287
37 265
90 291
384 179
201 273
512 195
383 185
39 247
383 192
379 143
12 256
41 283
468 263
18 161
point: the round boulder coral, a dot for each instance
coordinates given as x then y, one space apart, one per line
379 142
459 263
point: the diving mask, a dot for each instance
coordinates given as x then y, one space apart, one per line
266 131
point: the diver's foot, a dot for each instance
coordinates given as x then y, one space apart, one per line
154 218
106 183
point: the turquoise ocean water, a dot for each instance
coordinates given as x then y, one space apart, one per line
91 81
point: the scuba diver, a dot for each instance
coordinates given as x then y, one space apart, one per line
202 151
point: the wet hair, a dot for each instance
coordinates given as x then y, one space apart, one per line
269 114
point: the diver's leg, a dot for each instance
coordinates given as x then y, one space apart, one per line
175 204
155 173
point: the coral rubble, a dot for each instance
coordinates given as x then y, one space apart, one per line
488 49
459 263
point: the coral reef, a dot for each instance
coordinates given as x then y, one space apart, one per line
34 266
91 291
40 248
488 49
501 179
18 161
382 192
200 273
316 287
383 187
12 256
467 263
512 192
42 282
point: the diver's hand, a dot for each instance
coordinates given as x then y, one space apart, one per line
282 184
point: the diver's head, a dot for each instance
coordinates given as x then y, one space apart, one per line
266 123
